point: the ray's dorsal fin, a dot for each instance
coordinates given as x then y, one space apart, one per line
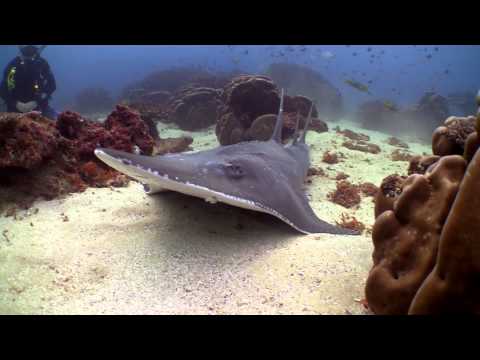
297 130
277 132
307 124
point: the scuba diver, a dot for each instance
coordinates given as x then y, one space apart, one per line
28 82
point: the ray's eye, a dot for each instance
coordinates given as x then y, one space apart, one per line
234 171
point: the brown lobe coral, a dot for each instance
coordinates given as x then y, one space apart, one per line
414 223
419 164
390 190
452 286
450 138
346 194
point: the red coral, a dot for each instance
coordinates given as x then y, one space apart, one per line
369 189
25 143
346 194
350 222
40 158
128 129
96 174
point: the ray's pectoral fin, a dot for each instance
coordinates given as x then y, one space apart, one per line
301 216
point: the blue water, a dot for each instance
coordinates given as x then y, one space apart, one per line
400 73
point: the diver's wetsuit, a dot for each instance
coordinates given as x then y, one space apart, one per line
25 80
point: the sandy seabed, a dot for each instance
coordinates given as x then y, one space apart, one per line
121 251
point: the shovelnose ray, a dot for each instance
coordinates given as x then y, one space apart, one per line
264 176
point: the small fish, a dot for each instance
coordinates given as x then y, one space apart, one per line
390 106
358 85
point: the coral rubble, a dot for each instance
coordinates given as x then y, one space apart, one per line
397 142
330 157
363 146
398 155
352 135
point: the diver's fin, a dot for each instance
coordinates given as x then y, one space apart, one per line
307 124
297 128
277 131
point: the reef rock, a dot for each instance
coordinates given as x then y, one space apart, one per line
36 161
155 97
173 80
374 115
298 79
122 130
431 111
173 145
26 141
194 108
250 107
43 158
462 103
250 96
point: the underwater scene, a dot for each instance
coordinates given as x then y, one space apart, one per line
240 179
